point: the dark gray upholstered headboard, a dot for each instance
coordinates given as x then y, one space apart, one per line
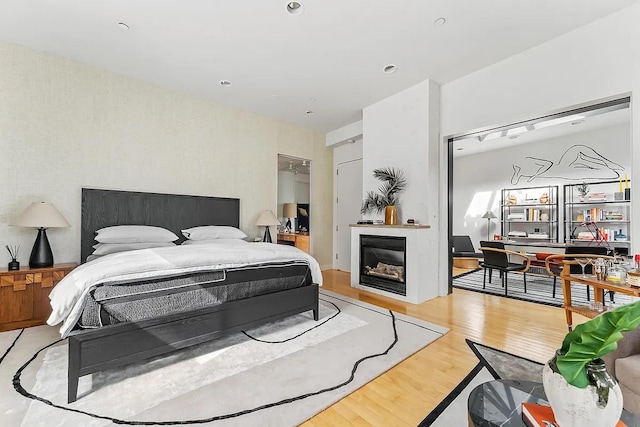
175 212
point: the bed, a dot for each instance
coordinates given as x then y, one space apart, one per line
95 349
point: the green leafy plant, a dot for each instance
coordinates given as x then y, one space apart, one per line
393 182
583 189
593 339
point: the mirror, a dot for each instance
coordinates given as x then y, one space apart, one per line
293 194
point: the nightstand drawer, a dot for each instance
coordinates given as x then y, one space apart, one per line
287 237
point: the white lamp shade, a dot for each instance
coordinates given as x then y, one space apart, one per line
290 210
41 214
267 218
489 215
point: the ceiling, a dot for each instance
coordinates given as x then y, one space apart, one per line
577 123
317 69
294 165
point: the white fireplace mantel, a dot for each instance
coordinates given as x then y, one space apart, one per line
422 285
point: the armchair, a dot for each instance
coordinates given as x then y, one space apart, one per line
624 365
463 247
497 257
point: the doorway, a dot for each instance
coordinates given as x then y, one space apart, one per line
294 195
588 143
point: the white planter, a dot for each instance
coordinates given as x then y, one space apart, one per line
580 407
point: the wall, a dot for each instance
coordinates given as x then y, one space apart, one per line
594 62
396 133
485 174
66 125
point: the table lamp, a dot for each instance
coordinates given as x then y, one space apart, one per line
41 215
489 216
267 219
289 210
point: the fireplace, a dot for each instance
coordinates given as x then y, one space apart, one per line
383 263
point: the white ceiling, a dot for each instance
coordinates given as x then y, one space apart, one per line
590 121
294 165
328 59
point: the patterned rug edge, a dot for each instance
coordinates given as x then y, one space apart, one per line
482 363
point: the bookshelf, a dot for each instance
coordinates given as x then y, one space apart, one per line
530 213
601 218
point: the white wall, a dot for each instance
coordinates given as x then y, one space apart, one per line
396 133
485 174
66 125
594 62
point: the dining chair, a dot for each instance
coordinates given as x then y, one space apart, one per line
498 258
555 266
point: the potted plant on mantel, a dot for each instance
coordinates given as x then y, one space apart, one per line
393 182
577 385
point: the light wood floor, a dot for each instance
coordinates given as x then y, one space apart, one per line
405 394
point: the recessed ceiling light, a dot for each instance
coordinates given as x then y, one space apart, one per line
577 122
440 22
295 8
460 149
513 136
388 69
123 25
310 112
225 83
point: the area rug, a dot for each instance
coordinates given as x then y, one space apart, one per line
280 374
492 364
539 289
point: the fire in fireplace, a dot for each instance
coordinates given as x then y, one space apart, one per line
383 263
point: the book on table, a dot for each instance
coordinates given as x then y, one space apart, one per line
535 415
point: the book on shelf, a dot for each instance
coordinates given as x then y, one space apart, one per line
536 415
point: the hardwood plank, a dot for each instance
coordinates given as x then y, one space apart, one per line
405 394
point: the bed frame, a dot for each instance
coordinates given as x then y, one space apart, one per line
94 350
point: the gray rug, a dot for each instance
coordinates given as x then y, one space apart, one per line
539 289
493 364
278 375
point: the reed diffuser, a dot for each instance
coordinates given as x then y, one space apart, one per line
13 251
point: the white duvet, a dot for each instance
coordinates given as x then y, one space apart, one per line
68 294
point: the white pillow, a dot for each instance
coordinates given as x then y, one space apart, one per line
135 234
215 242
111 248
209 232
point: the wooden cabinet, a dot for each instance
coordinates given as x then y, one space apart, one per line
24 295
299 240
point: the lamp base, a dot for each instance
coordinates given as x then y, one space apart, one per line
41 255
267 235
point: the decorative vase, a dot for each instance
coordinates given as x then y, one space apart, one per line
390 215
599 404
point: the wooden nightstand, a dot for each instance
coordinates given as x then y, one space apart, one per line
24 295
299 240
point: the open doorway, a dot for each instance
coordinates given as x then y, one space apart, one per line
525 160
294 195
